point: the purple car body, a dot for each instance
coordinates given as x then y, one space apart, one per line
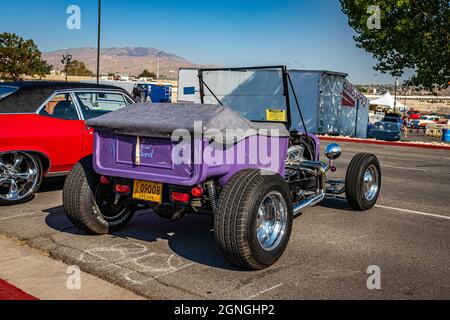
115 150
115 156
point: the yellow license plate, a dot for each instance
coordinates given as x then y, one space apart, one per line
148 191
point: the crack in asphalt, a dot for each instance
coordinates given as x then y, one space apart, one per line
159 280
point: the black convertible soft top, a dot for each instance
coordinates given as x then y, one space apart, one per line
30 95
162 119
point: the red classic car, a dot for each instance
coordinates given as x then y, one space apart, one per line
43 131
414 115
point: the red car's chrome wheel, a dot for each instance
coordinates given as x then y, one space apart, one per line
20 176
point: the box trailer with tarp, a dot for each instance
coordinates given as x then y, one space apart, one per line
319 93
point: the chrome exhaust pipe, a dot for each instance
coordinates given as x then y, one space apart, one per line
313 200
319 170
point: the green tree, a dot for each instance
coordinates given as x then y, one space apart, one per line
413 34
19 58
147 74
78 68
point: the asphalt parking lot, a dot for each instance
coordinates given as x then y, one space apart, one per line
406 235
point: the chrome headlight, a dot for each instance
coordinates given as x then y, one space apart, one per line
333 151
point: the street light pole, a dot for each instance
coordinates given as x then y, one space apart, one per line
99 38
157 71
375 83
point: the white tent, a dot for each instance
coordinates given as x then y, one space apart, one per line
388 101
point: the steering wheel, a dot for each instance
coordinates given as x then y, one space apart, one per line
84 107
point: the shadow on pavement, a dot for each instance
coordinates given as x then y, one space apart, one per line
338 203
52 184
191 238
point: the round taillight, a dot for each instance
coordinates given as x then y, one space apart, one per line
197 192
120 188
105 180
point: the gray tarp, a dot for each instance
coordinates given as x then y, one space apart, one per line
162 119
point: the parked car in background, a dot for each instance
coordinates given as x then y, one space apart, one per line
445 120
388 131
43 131
392 117
414 115
424 120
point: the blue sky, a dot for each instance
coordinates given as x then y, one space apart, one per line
219 32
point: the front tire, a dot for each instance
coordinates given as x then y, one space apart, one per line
254 219
90 205
363 182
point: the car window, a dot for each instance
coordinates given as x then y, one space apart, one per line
392 119
377 125
95 104
61 106
6 91
391 126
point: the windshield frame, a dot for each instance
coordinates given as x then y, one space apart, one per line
285 91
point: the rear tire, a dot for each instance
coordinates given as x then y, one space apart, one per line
87 204
243 228
20 177
363 182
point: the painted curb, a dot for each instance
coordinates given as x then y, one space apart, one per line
387 143
10 292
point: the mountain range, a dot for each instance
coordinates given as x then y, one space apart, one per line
130 60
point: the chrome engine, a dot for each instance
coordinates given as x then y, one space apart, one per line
307 179
295 154
294 157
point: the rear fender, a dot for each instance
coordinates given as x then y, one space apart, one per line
42 154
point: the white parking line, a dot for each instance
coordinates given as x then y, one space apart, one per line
18 216
414 212
265 291
415 169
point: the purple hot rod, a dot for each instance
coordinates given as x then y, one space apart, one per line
244 164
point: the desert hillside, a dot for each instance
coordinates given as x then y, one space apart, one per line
131 60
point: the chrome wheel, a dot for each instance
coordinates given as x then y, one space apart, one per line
371 183
19 176
271 221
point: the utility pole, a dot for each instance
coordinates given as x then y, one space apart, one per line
375 83
99 38
395 99
157 69
405 92
66 59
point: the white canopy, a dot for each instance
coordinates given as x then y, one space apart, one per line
388 101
